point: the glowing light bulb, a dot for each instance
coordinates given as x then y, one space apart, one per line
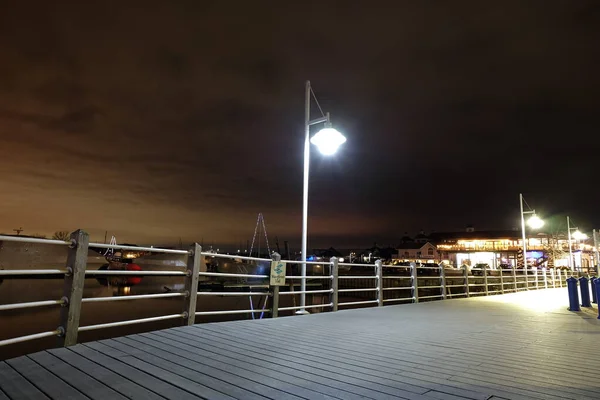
328 140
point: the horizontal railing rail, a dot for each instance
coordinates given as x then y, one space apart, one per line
359 284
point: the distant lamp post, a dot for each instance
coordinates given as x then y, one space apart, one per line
577 235
534 222
327 140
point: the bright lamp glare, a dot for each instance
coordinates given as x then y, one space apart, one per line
535 222
328 140
577 235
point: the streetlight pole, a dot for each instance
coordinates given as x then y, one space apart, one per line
534 222
524 239
596 259
327 140
570 247
305 197
577 235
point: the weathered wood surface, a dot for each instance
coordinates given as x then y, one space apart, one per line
517 346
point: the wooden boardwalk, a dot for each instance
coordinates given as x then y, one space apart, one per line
516 346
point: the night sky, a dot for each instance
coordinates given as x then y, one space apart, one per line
183 119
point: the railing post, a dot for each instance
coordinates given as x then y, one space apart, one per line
275 291
501 280
537 285
545 278
553 278
443 280
485 281
560 279
191 284
415 282
334 283
466 279
514 275
73 287
379 271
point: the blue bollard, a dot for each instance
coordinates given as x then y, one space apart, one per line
573 294
594 294
584 286
597 290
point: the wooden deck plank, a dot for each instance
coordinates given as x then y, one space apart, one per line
218 380
15 386
305 378
47 382
135 375
248 377
165 375
464 350
306 356
254 325
109 378
417 354
389 388
478 348
86 384
551 384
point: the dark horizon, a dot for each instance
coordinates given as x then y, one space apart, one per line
184 120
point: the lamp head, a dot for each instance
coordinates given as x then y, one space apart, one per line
328 140
535 222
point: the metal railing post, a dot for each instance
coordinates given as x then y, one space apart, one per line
379 271
514 275
274 291
191 284
415 282
443 280
73 287
334 283
552 275
466 279
545 278
537 281
485 281
501 280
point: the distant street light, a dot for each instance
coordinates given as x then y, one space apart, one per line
327 140
534 222
577 235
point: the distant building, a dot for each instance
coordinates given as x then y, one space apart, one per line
375 253
417 251
494 248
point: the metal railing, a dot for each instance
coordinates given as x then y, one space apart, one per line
361 285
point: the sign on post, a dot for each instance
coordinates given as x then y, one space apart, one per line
277 273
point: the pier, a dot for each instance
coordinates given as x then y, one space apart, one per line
517 346
406 332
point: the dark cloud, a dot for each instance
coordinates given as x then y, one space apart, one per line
164 120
